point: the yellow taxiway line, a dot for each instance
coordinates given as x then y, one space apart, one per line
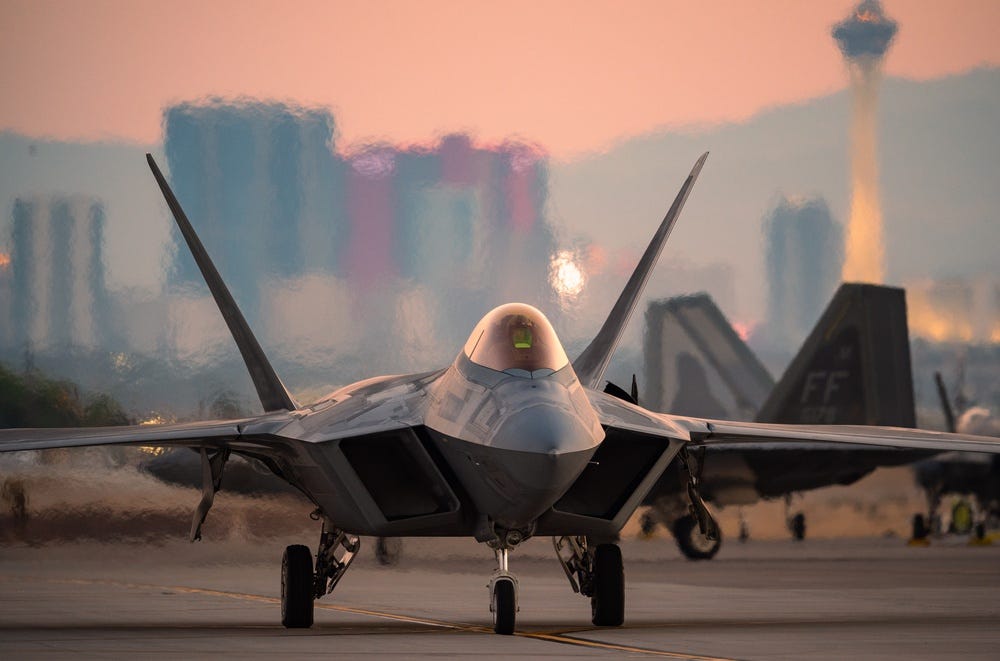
553 637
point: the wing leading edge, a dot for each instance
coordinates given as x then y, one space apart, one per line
750 435
206 434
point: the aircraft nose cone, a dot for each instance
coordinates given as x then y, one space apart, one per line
544 429
543 449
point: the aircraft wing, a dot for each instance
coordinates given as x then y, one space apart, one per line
207 434
360 453
640 444
759 436
375 406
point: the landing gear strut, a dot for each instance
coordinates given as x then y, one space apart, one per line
503 584
329 568
300 585
596 573
503 595
697 533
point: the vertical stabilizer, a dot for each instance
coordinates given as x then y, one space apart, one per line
272 393
696 363
592 363
854 368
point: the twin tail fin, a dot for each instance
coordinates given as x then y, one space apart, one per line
272 393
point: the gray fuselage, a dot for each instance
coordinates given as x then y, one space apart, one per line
464 450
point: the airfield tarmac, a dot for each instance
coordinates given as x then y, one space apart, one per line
818 599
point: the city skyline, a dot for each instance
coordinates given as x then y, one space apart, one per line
937 148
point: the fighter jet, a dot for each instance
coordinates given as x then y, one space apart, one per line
854 368
960 473
511 440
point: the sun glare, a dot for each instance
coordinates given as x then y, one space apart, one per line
565 275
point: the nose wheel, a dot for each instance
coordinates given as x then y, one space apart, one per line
503 596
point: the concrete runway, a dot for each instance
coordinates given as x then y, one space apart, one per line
869 598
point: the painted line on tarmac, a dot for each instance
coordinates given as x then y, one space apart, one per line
615 647
397 617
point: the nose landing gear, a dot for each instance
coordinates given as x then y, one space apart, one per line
503 595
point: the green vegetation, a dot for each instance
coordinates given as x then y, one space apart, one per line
33 400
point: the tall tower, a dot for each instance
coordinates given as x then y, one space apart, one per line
863 38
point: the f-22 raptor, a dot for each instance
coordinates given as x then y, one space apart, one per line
511 440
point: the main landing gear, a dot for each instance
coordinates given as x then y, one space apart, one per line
594 572
597 573
300 585
697 533
693 543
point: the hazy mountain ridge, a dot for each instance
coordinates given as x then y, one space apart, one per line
939 153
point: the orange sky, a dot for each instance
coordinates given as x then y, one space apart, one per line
571 75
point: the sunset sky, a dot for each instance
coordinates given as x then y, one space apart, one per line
572 76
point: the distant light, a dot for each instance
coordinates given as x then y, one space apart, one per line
120 361
743 329
4 260
565 275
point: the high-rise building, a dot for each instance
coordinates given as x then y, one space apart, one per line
458 226
805 251
255 178
55 274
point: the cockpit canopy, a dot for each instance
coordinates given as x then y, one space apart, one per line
516 337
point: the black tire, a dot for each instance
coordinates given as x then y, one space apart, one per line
691 542
798 527
388 550
647 524
297 587
504 607
920 530
608 601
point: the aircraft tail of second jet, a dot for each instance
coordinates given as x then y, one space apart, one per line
854 368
